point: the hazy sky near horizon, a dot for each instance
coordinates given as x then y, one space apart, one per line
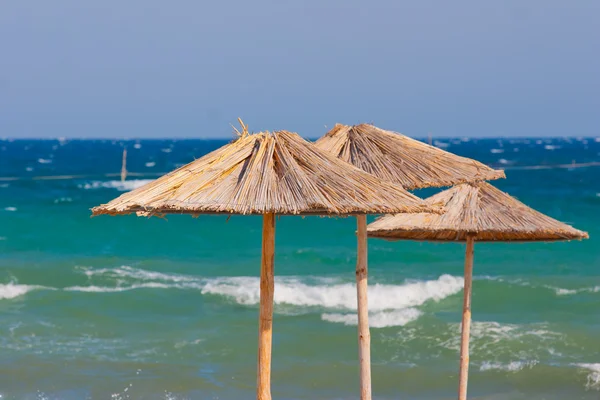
189 68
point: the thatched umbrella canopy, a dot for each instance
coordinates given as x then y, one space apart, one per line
395 158
276 173
474 212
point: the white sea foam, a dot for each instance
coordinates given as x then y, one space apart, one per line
44 161
441 145
10 209
150 164
563 292
4 185
118 185
166 150
512 366
379 319
107 289
126 271
593 378
559 291
487 336
137 146
29 169
496 151
567 292
12 290
551 147
63 200
498 332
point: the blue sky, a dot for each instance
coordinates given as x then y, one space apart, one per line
189 68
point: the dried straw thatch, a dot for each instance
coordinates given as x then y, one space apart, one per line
397 158
276 172
476 209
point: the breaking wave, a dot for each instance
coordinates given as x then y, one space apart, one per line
118 185
245 290
566 292
389 305
593 378
513 366
12 290
381 319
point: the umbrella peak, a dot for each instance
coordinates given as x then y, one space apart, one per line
397 158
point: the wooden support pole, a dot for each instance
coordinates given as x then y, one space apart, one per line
265 324
466 321
364 337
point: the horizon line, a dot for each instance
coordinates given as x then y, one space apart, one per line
59 138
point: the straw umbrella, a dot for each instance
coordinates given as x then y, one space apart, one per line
395 158
268 174
474 212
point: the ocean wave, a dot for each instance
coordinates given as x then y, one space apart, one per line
126 271
551 147
12 290
499 346
557 290
389 305
498 332
115 289
489 336
381 319
118 185
10 208
513 366
245 290
593 378
567 292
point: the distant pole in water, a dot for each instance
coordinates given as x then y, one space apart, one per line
429 138
124 166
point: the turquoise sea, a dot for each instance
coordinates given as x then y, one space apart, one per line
136 308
